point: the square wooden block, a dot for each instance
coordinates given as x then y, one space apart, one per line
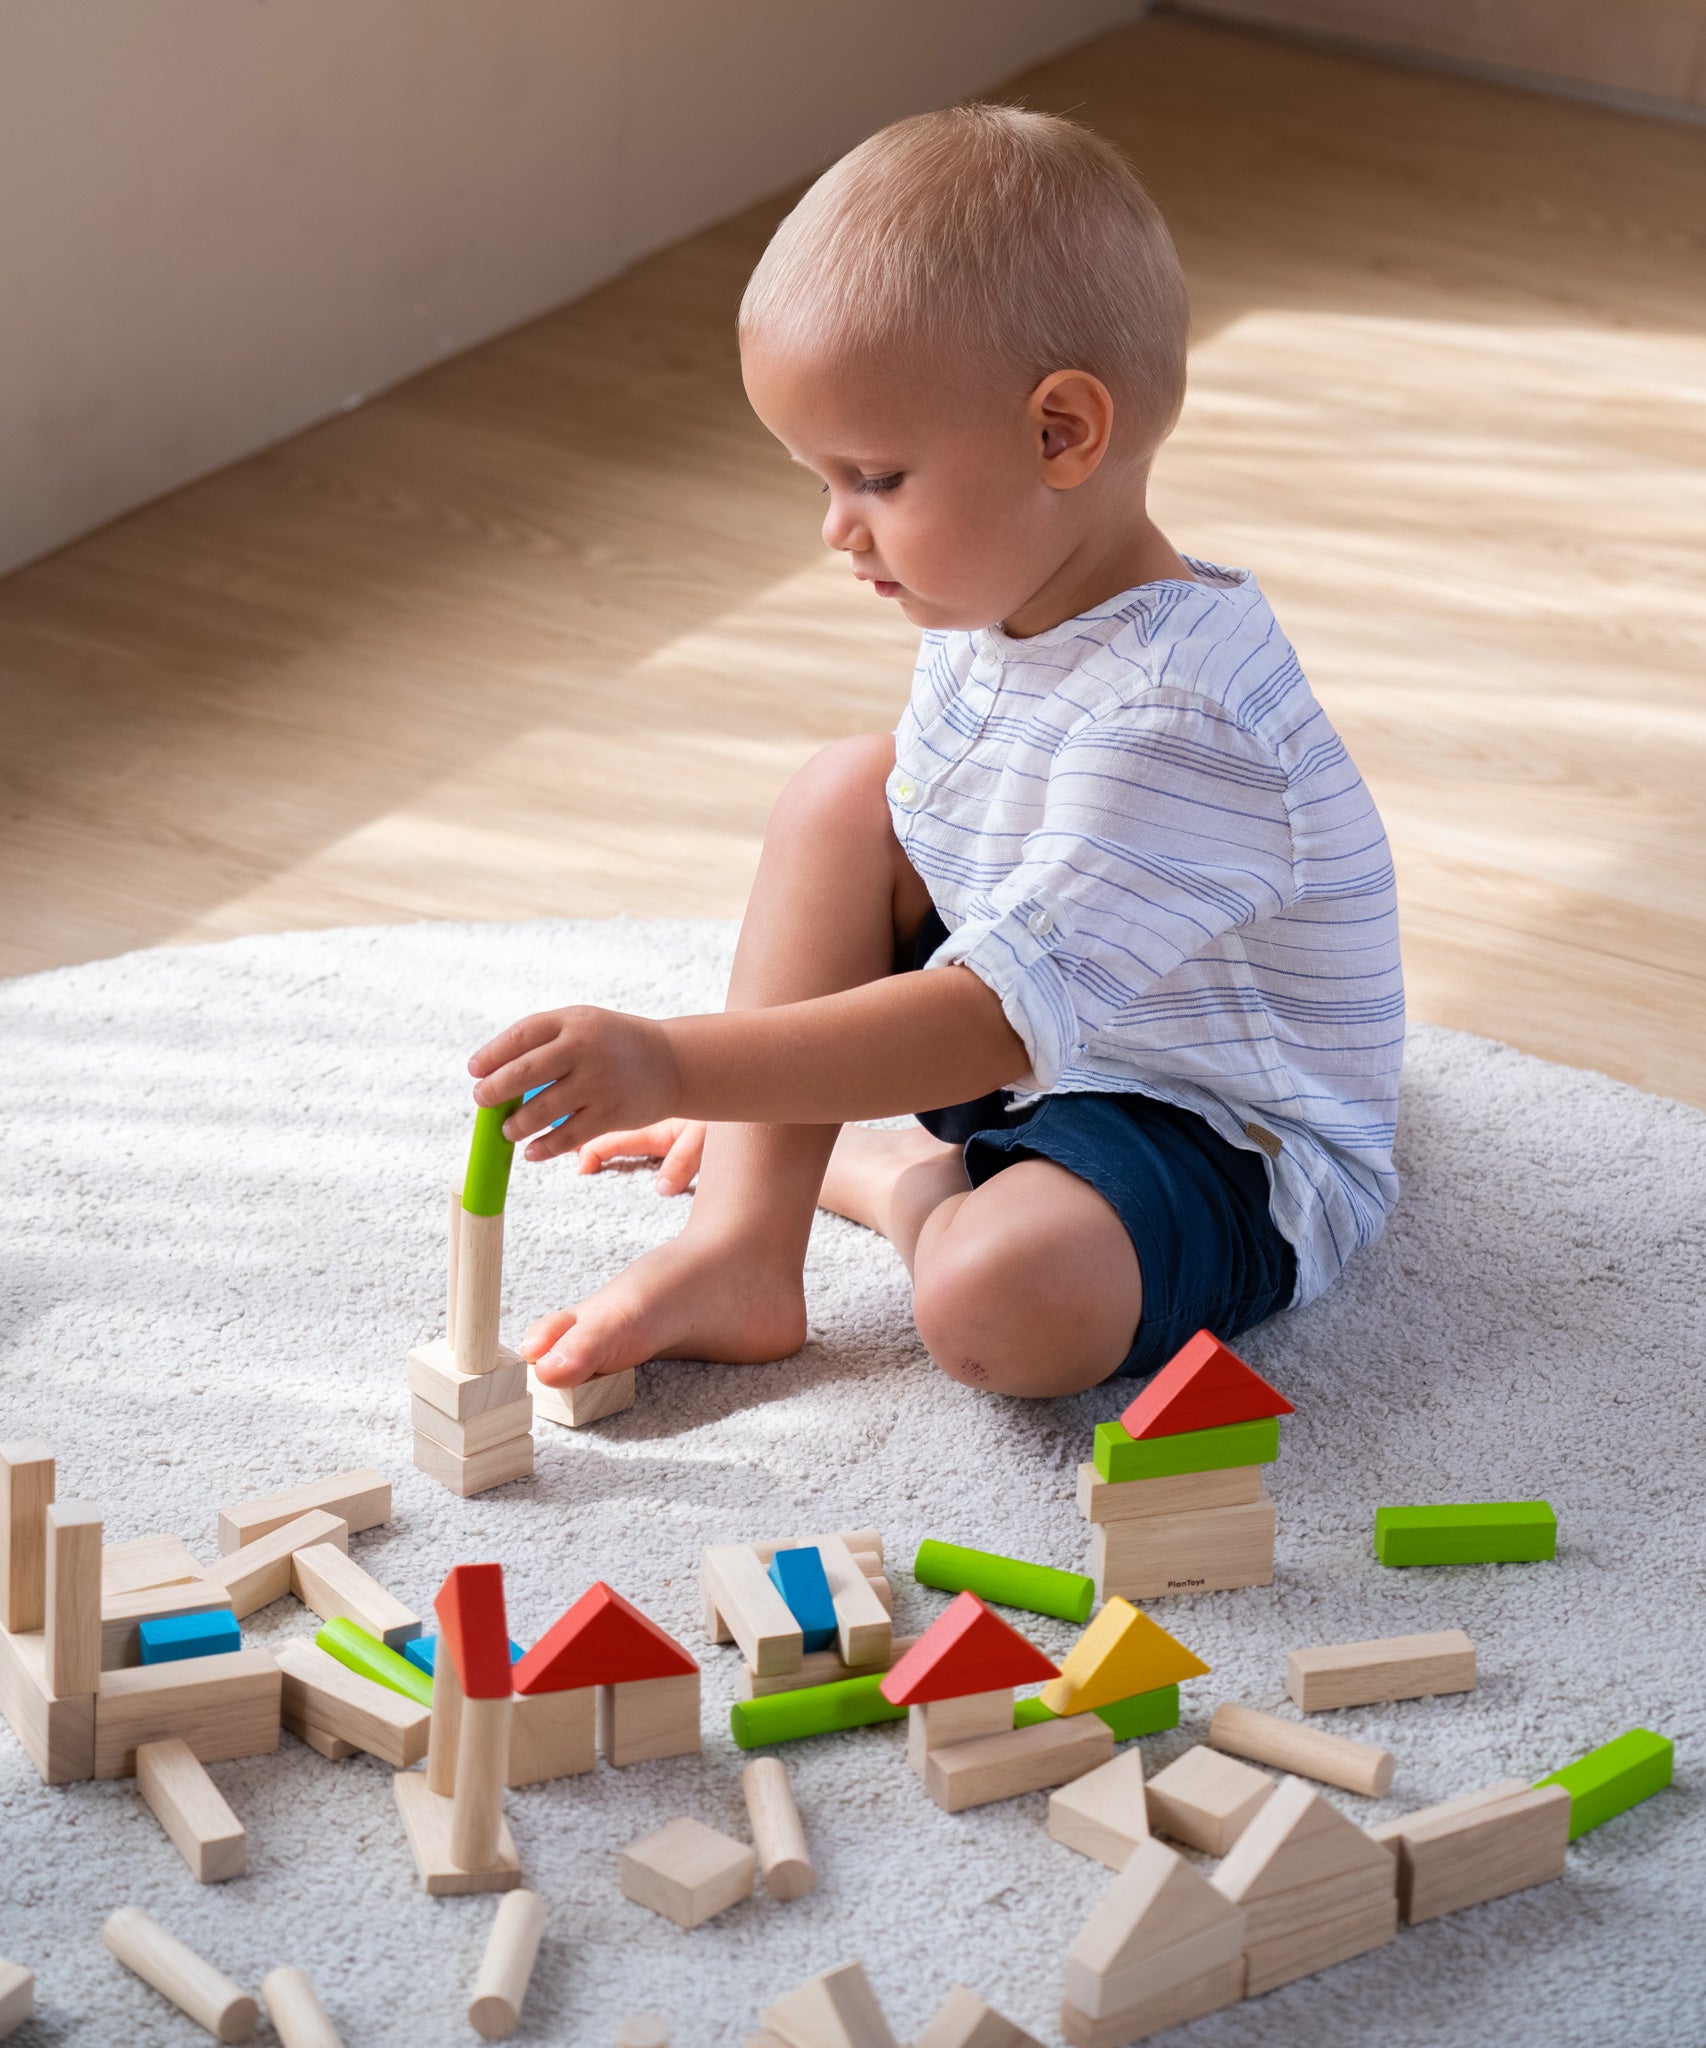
427 1822
433 1377
495 1466
688 1872
478 1433
591 1401
1205 1550
1206 1800
649 1718
552 1735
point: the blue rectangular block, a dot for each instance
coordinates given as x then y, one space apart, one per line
799 1576
423 1651
189 1635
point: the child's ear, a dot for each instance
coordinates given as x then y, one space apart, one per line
1071 419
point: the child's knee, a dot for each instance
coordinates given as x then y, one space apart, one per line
842 788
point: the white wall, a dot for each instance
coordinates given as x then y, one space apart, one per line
221 220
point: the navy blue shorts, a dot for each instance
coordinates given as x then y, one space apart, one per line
1194 1207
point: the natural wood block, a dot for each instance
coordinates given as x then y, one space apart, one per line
776 1831
1129 1500
553 1735
222 1707
73 1625
17 1997
329 1581
1100 1994
332 1747
963 2020
748 1606
1465 1858
1207 1550
427 1822
650 2030
1283 1958
861 1542
1311 1752
360 1500
1206 1800
1388 1668
820 1667
147 1561
1389 1833
649 1718
320 1692
259 1573
433 1377
479 1291
497 1465
1159 1923
57 1735
478 1433
1105 1813
26 1494
298 2017
1300 1863
687 1872
591 1401
837 2010
192 1984
863 1629
938 1723
506 1968
1190 2000
482 1771
1023 1760
192 1810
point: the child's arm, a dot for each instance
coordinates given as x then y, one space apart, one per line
913 1041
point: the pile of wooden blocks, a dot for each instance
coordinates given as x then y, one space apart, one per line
840 2010
1174 1491
839 1584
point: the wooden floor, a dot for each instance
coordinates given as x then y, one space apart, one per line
1446 400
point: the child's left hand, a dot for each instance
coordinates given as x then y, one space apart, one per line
601 1069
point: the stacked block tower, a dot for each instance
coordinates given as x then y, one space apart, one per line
1174 1490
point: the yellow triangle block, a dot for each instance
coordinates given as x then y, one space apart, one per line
1121 1652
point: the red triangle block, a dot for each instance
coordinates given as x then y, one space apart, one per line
967 1649
1202 1386
470 1610
602 1640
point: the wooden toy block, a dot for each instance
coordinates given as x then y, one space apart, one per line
601 1640
1119 1456
1132 1500
17 1997
1008 1581
837 2010
122 1615
820 1667
591 1401
433 1377
1122 1652
192 1984
1467 1858
473 1630
1614 1777
57 1735
427 1819
863 1628
798 1575
1159 1932
360 1500
482 1772
1387 1668
479 1433
329 1581
777 1835
333 1747
497 1465
259 1573
865 1547
298 2017
992 1767
444 1735
1206 1800
937 1723
145 1562
1331 1759
553 1735
220 1706
966 1649
73 1629
452 1260
192 1810
1208 1550
963 2020
646 2030
1469 1532
739 1590
506 1968
1284 1958
1145 1713
319 1692
26 1494
1204 1385
865 1544
1104 1814
811 1710
1390 1833
1208 1993
479 1291
649 1718
175 1638
687 1872
352 1646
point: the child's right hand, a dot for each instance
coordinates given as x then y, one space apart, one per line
678 1141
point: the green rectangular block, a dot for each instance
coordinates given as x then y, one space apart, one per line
1614 1777
1144 1713
1466 1532
1120 1456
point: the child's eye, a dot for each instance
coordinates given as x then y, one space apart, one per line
879 483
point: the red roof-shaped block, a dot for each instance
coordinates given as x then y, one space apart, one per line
1202 1386
967 1649
470 1609
602 1640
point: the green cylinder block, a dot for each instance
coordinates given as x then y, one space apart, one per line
341 1638
811 1710
486 1182
1007 1581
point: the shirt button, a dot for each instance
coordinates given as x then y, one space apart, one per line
904 792
1039 924
985 669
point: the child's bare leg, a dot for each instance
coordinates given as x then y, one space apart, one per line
890 1181
832 892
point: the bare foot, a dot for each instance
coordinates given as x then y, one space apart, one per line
891 1180
695 1297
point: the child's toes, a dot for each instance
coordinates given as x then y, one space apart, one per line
544 1332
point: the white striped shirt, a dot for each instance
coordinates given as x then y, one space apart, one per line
1143 834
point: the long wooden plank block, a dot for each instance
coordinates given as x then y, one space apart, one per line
259 1573
1387 1668
26 1493
1129 1500
863 1628
1034 1759
146 1561
192 1809
73 1597
320 1692
737 1587
1468 1858
360 1500
821 1667
1206 1550
222 1706
57 1735
329 1581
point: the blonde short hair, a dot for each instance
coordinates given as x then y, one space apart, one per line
998 242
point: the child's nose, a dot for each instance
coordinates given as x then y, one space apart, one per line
844 530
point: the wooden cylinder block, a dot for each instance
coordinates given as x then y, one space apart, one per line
776 1831
178 1973
453 1262
482 1770
479 1291
507 1966
298 2017
446 1729
1312 1753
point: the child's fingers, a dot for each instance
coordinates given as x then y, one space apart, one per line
653 1142
527 1036
552 1144
681 1161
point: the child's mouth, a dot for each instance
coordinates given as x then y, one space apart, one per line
885 589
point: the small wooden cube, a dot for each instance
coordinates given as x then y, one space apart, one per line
495 1466
591 1401
552 1735
434 1377
688 1872
649 1718
1206 1800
